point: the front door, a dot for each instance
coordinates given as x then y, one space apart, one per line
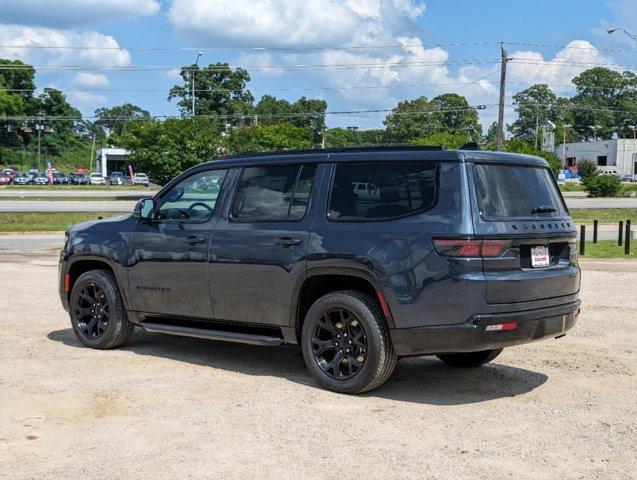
168 272
258 250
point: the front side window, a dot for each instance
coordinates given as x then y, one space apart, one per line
194 198
382 191
272 193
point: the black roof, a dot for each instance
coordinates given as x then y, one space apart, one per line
379 153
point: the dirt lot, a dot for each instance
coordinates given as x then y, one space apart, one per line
167 407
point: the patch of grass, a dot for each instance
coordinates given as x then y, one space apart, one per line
604 215
572 187
47 221
608 249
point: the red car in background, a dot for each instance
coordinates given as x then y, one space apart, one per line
10 172
5 179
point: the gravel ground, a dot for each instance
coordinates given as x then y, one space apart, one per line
168 407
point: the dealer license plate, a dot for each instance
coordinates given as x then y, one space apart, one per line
540 257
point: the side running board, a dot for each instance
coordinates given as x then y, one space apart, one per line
236 337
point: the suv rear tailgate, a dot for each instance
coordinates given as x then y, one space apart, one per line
521 203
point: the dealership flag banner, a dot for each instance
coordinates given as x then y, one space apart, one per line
132 176
49 171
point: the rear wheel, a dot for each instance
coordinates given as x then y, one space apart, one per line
346 344
97 311
470 359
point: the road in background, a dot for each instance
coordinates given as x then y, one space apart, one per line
35 193
127 206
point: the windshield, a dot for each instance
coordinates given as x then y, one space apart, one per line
514 191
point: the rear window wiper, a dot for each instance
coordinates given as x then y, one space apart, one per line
544 209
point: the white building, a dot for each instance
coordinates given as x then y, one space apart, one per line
111 160
620 155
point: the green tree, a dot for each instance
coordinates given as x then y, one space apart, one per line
518 146
165 149
304 113
17 75
587 170
411 119
626 104
116 118
535 106
219 90
341 137
265 138
455 116
61 128
594 104
447 140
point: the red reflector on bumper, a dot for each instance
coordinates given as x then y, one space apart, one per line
67 283
502 327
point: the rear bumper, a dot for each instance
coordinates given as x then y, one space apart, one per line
472 336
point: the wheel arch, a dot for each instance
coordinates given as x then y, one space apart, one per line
78 265
322 280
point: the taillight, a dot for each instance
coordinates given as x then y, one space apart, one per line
470 248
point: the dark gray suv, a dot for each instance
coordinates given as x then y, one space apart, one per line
450 253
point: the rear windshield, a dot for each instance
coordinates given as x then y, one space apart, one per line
506 191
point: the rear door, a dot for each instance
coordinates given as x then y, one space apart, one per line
521 203
259 246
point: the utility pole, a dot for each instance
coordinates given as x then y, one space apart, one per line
503 79
192 85
564 127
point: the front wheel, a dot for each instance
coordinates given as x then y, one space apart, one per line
346 344
97 311
470 359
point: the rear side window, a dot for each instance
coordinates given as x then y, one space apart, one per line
382 191
272 193
512 191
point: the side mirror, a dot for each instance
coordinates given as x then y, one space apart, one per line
144 209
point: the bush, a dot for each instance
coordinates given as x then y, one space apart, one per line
587 170
604 186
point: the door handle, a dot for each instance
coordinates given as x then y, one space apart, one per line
287 242
193 240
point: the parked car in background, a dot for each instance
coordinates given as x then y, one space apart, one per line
10 172
116 178
97 179
5 179
32 173
79 179
609 171
60 178
141 179
21 179
462 254
40 179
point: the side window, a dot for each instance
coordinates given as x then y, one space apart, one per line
194 198
394 190
269 193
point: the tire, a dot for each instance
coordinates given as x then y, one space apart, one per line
470 359
95 332
373 364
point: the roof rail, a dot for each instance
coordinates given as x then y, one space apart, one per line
393 148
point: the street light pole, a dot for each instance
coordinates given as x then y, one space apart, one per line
634 129
613 30
192 89
564 127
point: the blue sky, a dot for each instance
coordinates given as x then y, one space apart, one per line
443 46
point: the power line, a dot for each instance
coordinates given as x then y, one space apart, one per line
307 48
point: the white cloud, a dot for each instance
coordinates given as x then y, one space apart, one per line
73 13
87 98
284 23
84 79
17 35
573 59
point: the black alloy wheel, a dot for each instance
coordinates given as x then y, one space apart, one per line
92 311
339 344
